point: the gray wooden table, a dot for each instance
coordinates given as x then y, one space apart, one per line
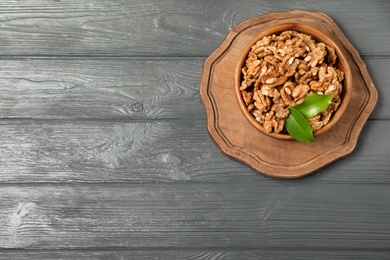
104 152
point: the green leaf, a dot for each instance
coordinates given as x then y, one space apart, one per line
314 104
298 127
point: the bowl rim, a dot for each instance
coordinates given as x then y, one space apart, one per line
319 37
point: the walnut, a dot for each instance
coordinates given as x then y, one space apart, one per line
281 70
275 94
300 92
317 55
340 75
261 101
286 93
247 96
260 117
319 87
306 78
278 125
271 59
315 123
310 43
268 122
251 107
291 66
326 73
263 69
317 126
272 123
278 81
332 57
273 79
330 89
325 118
314 72
280 110
303 68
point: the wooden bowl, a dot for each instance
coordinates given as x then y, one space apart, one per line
342 64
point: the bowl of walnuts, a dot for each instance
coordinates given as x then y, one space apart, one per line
293 82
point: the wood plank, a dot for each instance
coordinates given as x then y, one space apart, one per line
121 88
195 254
247 215
165 28
62 151
79 88
378 69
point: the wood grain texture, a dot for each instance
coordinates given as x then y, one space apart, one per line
104 153
197 216
34 151
75 88
118 28
100 88
169 254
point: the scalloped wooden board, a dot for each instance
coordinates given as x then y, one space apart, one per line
237 138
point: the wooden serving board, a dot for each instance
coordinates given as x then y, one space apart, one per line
237 138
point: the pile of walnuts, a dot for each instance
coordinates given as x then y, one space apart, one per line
281 70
